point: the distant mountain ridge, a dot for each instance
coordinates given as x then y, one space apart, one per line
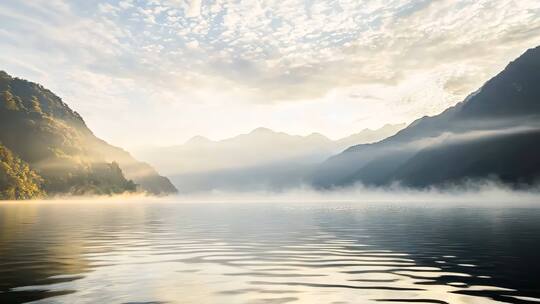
41 130
260 159
487 136
494 134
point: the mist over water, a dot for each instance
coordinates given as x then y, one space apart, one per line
350 246
487 193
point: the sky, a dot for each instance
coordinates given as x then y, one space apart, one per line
157 72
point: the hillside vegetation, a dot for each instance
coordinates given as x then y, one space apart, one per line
17 180
54 143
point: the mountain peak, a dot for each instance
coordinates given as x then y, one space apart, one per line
262 130
512 93
317 136
198 140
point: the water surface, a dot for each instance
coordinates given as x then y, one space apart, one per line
163 252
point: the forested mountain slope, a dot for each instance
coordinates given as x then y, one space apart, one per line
41 130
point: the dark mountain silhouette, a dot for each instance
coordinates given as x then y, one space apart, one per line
41 130
492 134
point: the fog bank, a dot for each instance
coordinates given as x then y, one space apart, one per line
481 193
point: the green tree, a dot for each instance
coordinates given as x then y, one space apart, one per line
17 180
8 101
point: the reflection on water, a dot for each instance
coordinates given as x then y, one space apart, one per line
267 253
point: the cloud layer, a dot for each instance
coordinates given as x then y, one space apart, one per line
162 68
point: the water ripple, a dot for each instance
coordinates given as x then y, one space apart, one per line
179 253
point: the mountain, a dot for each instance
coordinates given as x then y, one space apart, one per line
54 141
367 136
492 134
17 180
260 159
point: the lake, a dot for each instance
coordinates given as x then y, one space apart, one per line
167 252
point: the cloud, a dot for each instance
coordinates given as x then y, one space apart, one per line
192 44
194 9
418 57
